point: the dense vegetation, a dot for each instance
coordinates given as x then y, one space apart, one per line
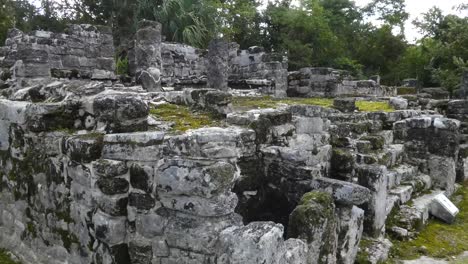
334 33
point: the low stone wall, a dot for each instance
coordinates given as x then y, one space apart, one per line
183 65
328 82
255 69
84 51
87 180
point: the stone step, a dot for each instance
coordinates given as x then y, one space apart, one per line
392 201
387 136
392 155
420 183
403 172
403 192
374 251
415 216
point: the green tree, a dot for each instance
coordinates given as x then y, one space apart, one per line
391 12
240 21
189 21
7 19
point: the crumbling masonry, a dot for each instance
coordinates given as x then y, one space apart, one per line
87 176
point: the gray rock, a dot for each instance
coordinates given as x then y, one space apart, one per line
345 104
399 103
217 64
350 228
258 242
373 177
345 193
314 220
442 208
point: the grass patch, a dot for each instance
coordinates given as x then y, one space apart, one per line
183 118
270 102
439 239
5 258
246 103
369 106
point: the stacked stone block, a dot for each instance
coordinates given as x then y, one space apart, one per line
83 51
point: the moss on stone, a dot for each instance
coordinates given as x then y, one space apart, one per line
363 256
440 240
376 141
31 229
313 210
321 198
5 258
67 238
370 106
406 90
270 102
183 118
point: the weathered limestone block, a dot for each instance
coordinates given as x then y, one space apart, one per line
399 103
345 104
443 172
342 164
344 193
148 55
109 230
220 205
442 208
217 64
212 143
296 251
204 234
217 102
314 220
374 178
177 177
257 242
140 251
120 113
462 163
350 226
141 146
51 116
84 148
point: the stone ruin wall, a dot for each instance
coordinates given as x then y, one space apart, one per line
256 69
86 177
183 65
328 82
84 51
87 180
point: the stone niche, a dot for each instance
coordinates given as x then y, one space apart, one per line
83 51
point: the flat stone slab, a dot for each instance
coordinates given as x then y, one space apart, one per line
442 208
343 192
403 192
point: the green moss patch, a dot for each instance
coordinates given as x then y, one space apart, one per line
439 240
246 103
270 102
183 117
369 106
5 258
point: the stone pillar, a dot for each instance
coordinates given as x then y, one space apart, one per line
217 64
374 178
148 55
464 85
314 220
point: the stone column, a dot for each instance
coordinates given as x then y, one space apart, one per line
464 84
148 55
217 64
